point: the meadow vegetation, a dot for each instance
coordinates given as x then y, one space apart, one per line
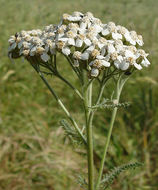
34 153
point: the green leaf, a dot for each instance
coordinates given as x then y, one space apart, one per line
109 178
109 104
82 182
71 133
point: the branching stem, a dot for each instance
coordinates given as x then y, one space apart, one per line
60 103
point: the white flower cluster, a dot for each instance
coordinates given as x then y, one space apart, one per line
86 40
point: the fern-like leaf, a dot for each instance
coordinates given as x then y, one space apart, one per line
109 104
71 133
114 173
82 182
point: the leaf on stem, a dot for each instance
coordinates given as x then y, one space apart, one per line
109 104
71 133
82 182
109 178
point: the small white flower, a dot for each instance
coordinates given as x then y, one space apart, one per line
26 52
77 55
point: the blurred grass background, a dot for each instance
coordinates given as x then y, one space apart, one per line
33 151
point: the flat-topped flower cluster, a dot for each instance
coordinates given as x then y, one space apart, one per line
85 40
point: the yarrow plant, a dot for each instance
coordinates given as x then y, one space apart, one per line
96 52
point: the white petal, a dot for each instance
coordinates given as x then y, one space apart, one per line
90 49
116 36
127 36
98 28
45 57
124 65
87 42
105 63
100 57
89 24
120 58
74 19
140 42
83 25
63 39
117 64
105 32
71 41
82 31
103 51
79 42
145 62
94 72
138 66
84 56
129 54
107 57
133 42
100 45
66 51
60 35
111 48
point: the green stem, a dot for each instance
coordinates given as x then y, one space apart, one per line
61 105
118 92
56 73
87 102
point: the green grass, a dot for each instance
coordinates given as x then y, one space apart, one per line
33 151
